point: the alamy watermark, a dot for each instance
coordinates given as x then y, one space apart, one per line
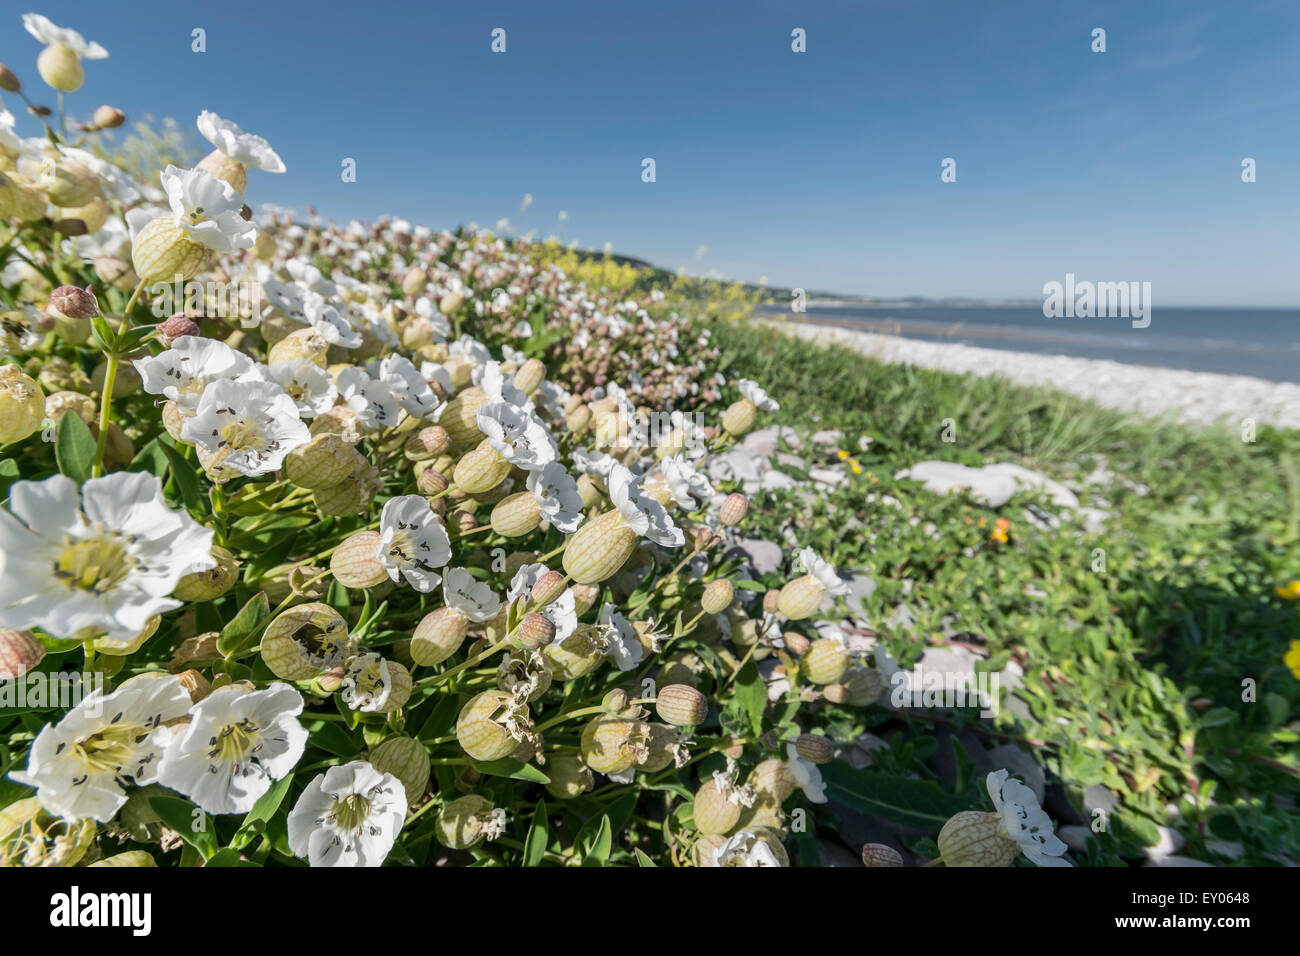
949 690
39 690
1102 300
241 299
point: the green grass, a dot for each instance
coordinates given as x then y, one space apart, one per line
1161 676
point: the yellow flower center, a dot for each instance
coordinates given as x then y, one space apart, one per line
243 435
109 749
93 564
351 812
234 742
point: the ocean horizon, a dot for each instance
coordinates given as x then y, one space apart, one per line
1259 342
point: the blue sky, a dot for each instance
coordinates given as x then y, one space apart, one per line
818 170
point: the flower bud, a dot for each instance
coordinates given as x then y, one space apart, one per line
599 548
61 68
432 482
161 252
801 597
589 491
465 822
862 686
718 596
69 302
682 705
195 684
128 858
210 584
772 601
324 461
548 588
877 854
814 748
22 405
414 282
355 563
450 302
739 418
439 634
530 376
8 81
825 661
612 744
176 327
615 702
578 419
109 117
460 418
584 598
516 515
406 759
304 343
20 651
535 630
578 654
795 642
713 812
350 496
975 838
429 442
480 470
733 510
478 734
570 777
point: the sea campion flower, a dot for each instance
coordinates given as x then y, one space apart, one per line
409 388
685 483
60 62
643 514
233 142
348 816
102 560
306 383
1024 821
333 326
744 849
802 596
557 496
474 599
823 571
412 542
806 775
367 683
762 401
208 210
249 426
236 744
184 370
624 647
516 435
563 613
80 765
370 398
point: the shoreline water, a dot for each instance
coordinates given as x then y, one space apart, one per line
1191 397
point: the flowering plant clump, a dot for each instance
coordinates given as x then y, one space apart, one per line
420 556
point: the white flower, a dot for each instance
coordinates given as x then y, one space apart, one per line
685 483
472 598
642 513
183 371
592 462
208 210
557 496
806 775
516 435
500 387
412 542
1024 821
409 387
823 571
552 399
236 743
523 580
426 310
255 423
370 398
306 383
348 816
563 613
102 560
80 765
756 395
744 849
623 644
469 347
47 33
332 325
367 683
240 146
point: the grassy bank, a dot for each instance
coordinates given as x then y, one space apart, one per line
1159 674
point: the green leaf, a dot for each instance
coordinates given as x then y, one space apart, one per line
187 482
8 468
748 700
74 448
642 859
268 803
538 834
228 857
150 458
597 851
194 826
916 803
510 767
247 624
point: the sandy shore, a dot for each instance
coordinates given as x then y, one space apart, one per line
1150 391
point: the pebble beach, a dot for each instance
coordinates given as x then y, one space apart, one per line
1197 398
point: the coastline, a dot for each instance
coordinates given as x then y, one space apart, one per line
1197 398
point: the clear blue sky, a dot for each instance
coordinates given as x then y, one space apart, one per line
818 170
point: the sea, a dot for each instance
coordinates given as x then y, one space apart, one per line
1263 343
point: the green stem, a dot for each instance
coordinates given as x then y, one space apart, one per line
110 378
